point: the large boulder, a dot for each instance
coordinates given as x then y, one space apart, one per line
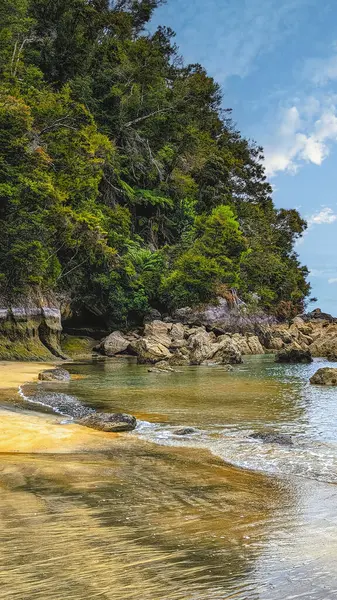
201 346
255 345
114 344
57 374
294 355
113 422
149 351
226 352
325 376
158 332
179 358
325 344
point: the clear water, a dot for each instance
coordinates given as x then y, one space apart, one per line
154 516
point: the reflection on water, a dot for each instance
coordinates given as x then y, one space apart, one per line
93 515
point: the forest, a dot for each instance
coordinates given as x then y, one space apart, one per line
124 182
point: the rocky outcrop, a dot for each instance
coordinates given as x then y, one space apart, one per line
294 355
111 423
30 332
54 375
325 376
202 338
178 345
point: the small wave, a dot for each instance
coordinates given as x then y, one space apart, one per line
306 458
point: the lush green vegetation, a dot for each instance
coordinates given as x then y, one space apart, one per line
123 182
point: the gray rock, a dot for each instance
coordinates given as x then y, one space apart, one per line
325 376
114 344
273 438
112 423
185 431
294 355
152 315
57 374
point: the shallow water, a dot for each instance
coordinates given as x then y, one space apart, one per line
154 516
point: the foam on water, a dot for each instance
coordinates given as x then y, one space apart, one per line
305 458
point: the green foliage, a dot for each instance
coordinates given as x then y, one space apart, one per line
122 180
212 261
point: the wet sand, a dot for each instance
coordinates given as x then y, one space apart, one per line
31 432
13 374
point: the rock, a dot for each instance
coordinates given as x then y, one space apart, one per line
31 330
273 438
184 431
240 342
298 322
228 368
201 346
325 376
54 375
226 352
177 332
332 356
78 347
294 355
149 352
317 314
255 345
158 332
113 422
152 315
179 359
114 344
162 367
325 344
61 403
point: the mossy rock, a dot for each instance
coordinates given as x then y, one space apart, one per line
25 350
78 347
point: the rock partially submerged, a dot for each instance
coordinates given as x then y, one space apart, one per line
185 431
294 355
273 438
112 423
57 374
325 376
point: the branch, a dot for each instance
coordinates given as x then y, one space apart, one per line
25 41
57 123
73 269
156 112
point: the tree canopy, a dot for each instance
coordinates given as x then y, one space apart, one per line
123 180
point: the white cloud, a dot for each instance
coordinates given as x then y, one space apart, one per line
302 137
326 216
332 280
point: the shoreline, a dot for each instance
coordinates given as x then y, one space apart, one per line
32 432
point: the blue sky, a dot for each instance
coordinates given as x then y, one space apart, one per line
276 61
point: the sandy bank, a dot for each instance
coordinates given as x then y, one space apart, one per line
13 374
35 433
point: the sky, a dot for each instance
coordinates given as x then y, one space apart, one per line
276 61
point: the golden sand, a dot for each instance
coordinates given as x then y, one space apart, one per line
32 432
13 374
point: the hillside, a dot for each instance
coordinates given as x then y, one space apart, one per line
125 185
